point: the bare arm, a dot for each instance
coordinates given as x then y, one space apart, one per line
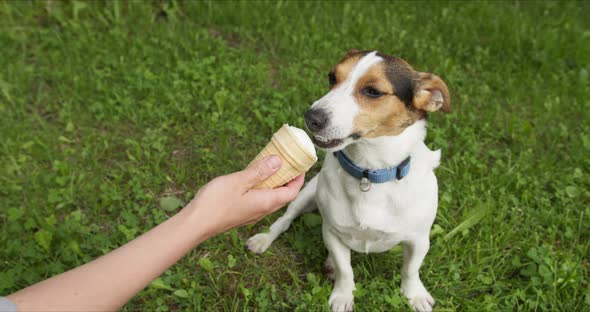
108 282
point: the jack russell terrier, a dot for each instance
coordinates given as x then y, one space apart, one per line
377 187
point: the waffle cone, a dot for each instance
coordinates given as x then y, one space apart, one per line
296 160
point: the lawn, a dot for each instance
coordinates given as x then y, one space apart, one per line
107 108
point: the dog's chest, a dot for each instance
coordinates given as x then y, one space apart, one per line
372 221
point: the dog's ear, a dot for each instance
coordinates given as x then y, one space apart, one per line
432 93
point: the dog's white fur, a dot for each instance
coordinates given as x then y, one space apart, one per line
375 221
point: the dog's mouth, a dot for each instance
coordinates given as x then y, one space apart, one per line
322 142
325 143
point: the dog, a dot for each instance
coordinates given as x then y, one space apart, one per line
377 187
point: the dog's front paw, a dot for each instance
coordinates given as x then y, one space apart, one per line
423 303
341 301
419 297
259 243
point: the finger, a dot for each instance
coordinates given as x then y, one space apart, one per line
270 200
259 171
287 193
297 181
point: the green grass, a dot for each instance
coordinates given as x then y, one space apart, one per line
106 108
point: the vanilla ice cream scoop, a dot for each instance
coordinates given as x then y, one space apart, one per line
304 140
296 151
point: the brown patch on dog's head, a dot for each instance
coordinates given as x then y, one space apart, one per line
391 95
341 71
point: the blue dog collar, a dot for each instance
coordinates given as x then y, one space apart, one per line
368 176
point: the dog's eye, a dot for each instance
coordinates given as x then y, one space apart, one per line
332 78
372 92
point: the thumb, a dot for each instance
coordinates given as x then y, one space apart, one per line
260 171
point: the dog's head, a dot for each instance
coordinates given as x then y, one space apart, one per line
373 95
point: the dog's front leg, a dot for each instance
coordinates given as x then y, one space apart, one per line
341 298
305 202
414 252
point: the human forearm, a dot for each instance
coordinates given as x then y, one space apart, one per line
111 280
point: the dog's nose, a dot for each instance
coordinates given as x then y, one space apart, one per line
316 119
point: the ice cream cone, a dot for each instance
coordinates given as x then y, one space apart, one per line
297 157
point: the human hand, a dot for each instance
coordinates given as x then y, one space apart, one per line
229 201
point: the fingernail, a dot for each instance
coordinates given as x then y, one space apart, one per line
274 162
